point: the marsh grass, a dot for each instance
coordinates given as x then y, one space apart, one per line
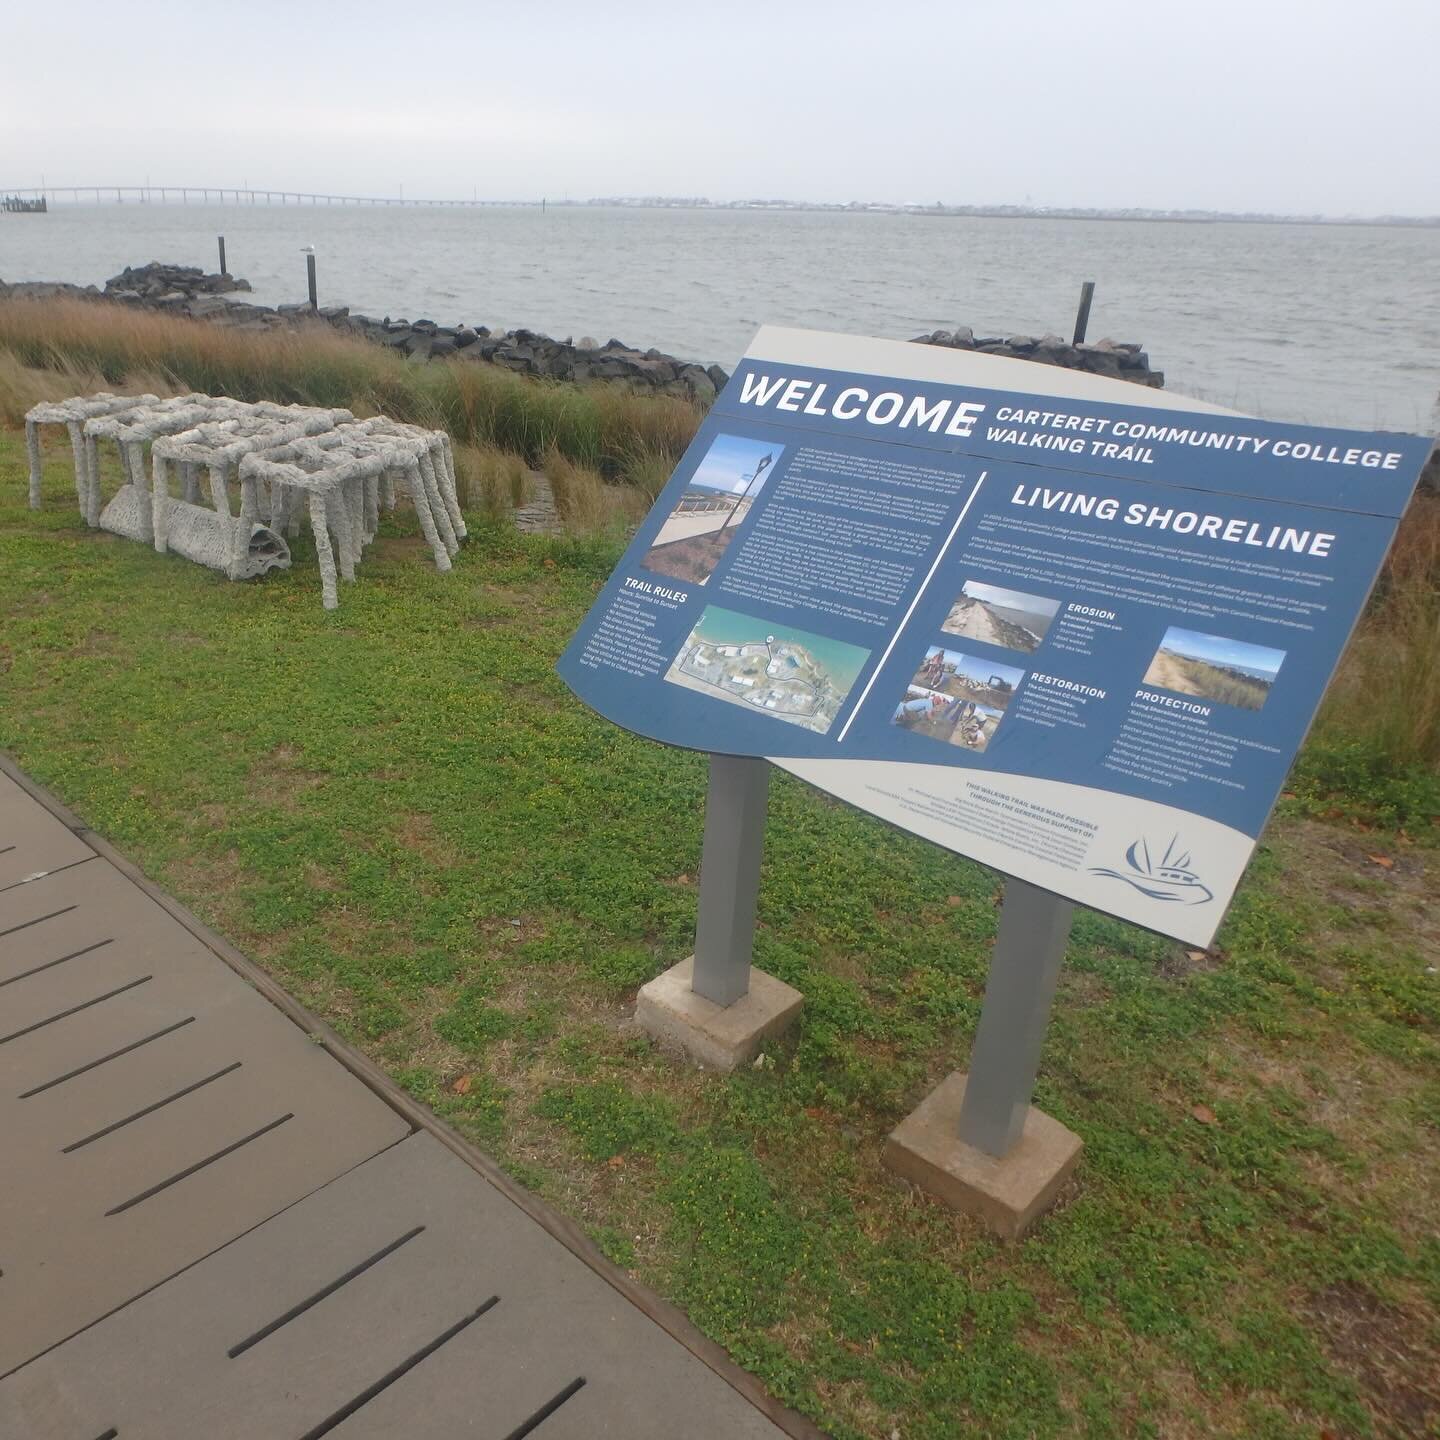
649 472
608 428
587 505
493 480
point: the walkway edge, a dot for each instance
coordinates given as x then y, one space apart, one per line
667 1316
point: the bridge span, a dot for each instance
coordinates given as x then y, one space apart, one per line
224 195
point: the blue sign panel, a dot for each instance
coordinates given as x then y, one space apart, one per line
1075 635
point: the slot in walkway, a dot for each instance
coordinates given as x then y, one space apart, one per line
212 1224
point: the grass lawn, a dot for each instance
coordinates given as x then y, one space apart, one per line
399 811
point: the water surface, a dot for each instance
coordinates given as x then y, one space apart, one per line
1327 324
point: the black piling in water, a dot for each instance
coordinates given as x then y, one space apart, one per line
1082 316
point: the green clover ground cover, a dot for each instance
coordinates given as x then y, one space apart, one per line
398 809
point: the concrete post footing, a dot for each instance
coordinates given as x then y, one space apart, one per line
720 1037
1008 1194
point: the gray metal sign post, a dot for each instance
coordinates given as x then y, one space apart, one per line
1004 1060
975 1141
715 1006
730 876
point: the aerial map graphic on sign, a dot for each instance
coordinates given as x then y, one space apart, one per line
1068 627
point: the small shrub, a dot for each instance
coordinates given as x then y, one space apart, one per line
1359 775
1386 696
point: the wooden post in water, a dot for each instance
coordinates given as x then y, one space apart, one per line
310 275
1082 315
221 239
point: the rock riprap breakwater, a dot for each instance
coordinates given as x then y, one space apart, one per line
1119 360
184 290
187 290
168 284
531 353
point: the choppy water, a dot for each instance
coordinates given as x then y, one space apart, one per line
1326 324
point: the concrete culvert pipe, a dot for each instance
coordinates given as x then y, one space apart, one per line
201 535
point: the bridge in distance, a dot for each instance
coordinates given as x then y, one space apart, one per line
221 195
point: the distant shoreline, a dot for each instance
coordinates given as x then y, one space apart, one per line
164 196
1021 212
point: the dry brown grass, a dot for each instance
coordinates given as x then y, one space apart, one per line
21 387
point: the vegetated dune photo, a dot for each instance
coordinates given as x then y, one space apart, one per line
1211 667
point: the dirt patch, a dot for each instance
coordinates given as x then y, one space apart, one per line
511 594
399 547
1365 873
196 873
1081 988
1363 1099
511 929
281 778
418 833
1345 856
1181 963
1385 1348
96 642
212 886
318 878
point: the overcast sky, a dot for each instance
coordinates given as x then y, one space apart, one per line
1277 105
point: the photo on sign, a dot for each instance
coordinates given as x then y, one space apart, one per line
1212 667
719 497
772 669
968 677
947 718
1011 619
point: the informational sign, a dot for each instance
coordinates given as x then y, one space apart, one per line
1066 626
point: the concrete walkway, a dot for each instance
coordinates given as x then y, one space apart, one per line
218 1220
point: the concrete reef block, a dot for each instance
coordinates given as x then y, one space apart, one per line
1009 1194
721 1037
207 538
284 457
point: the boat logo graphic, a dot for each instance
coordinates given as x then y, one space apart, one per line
1171 877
